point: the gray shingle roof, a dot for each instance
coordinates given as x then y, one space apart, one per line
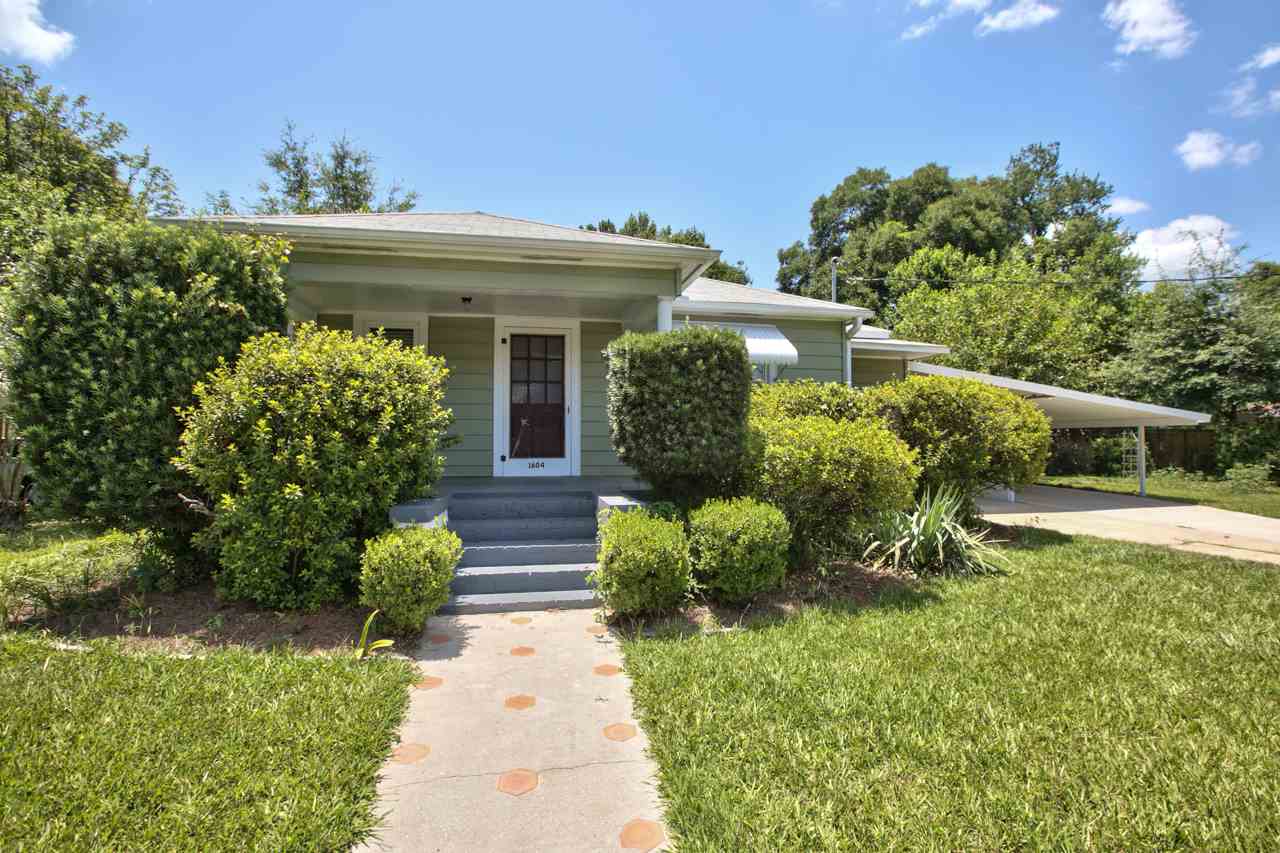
707 293
472 224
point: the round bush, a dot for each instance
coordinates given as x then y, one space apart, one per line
678 405
739 547
112 325
970 436
824 474
305 445
406 573
806 397
643 563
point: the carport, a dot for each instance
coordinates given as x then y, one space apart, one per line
1068 409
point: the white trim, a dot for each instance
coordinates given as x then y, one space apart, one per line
362 322
895 348
684 305
503 327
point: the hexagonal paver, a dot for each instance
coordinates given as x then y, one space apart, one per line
517 782
520 702
438 639
429 682
410 753
523 652
520 620
640 834
620 731
607 669
598 630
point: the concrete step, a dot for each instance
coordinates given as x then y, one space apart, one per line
529 552
464 506
574 527
485 580
510 602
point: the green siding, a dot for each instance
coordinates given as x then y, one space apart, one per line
467 346
873 371
819 345
598 458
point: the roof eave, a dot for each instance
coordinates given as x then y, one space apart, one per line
754 309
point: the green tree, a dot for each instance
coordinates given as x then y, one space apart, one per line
340 180
58 157
641 225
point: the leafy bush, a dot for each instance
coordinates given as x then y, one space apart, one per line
678 405
931 539
824 474
643 563
1249 478
970 436
1069 455
305 444
739 547
806 397
406 573
112 325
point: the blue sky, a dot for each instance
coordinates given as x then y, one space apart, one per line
731 117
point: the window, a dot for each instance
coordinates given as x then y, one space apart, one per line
403 335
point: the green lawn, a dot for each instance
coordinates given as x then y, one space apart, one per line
1180 487
1100 696
51 565
230 750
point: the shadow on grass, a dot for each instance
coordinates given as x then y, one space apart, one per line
1017 538
845 587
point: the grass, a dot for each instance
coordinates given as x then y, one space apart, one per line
1181 487
230 750
1101 695
49 566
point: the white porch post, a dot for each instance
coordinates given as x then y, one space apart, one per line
664 313
1142 460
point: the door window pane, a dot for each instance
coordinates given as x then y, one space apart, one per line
555 393
555 347
519 392
537 346
519 370
520 345
538 371
537 392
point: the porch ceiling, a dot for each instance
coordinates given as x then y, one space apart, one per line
326 297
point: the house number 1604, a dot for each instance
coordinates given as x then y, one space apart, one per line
537 465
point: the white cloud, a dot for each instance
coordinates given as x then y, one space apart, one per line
1265 58
1168 251
1243 101
1125 206
1205 149
25 34
1022 15
1151 26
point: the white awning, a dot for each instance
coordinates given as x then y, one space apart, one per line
1068 408
765 344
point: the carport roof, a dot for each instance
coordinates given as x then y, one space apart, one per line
1076 409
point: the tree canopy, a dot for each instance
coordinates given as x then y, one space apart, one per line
342 179
640 224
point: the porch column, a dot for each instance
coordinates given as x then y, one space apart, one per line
664 313
1142 460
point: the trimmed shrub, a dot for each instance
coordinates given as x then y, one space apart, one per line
643 563
305 444
406 573
678 406
826 474
739 547
112 325
970 436
806 397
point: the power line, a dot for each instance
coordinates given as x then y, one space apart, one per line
1044 280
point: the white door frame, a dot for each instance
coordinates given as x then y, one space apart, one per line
504 328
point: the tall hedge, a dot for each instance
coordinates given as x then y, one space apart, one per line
304 445
110 325
678 404
970 436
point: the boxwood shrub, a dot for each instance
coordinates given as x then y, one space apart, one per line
643 563
826 474
739 547
970 436
406 573
806 397
678 404
305 444
112 324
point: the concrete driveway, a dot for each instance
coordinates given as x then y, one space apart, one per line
1182 526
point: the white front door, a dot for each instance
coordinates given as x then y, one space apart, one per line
536 398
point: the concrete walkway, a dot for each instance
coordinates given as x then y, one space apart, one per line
1181 526
520 736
